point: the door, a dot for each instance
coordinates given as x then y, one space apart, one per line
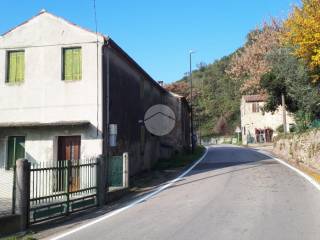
69 150
16 150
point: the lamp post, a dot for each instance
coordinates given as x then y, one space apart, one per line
191 108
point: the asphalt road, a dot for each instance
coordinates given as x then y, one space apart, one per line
234 193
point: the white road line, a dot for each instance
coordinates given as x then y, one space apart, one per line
130 205
304 175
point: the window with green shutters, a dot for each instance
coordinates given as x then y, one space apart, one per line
16 150
72 64
15 66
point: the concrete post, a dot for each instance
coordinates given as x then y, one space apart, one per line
23 192
284 113
101 180
126 170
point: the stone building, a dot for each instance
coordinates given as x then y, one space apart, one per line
259 126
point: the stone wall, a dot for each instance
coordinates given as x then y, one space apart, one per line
301 148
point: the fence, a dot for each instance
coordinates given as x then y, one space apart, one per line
61 188
44 191
7 206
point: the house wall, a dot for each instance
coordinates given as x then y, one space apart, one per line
43 96
132 93
130 96
179 138
41 147
252 120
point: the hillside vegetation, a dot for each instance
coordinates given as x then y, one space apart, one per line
216 98
279 58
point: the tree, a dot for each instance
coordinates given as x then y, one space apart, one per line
216 104
289 76
249 63
302 31
183 88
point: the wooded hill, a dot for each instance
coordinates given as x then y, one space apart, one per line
279 58
216 98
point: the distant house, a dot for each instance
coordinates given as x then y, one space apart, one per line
259 126
60 88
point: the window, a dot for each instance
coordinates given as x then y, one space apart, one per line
15 67
72 64
16 150
255 107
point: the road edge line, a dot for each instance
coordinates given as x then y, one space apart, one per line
298 171
135 202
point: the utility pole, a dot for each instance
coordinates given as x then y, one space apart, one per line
191 108
284 114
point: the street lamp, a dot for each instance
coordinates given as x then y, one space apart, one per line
191 109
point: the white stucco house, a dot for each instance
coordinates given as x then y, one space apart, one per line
48 90
258 126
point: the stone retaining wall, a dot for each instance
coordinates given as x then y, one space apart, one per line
301 148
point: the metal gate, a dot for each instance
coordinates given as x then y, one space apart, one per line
62 188
116 171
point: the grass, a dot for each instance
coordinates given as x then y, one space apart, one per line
179 160
309 171
24 237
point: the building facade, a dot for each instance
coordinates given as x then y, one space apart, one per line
60 88
258 126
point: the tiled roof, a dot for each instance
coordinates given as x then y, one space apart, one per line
254 98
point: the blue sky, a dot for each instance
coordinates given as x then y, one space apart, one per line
159 33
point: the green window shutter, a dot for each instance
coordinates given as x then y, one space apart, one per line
72 64
67 61
20 66
77 63
16 65
20 147
16 150
11 150
12 66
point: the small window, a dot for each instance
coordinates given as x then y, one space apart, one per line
72 64
16 150
15 67
255 107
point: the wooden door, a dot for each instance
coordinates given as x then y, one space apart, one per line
69 150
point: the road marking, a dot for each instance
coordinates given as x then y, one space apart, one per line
304 175
130 205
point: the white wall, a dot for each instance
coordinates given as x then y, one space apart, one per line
252 120
43 96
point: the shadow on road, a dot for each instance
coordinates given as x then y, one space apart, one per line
225 157
224 173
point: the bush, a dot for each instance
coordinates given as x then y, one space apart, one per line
280 129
